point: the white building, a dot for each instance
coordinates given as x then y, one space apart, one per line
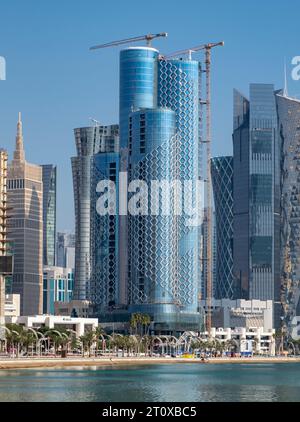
245 340
12 306
79 325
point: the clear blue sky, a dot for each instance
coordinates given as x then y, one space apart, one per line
58 84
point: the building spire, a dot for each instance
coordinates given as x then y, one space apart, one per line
285 90
19 154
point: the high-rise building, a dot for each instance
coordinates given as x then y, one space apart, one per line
49 214
104 287
222 180
289 132
203 256
89 141
3 225
159 138
58 285
65 250
25 197
256 194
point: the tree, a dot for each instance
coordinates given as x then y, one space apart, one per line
139 322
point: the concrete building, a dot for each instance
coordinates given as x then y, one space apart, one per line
25 197
74 308
228 313
245 341
12 306
58 286
49 214
79 325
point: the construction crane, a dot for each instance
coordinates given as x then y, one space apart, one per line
207 48
148 38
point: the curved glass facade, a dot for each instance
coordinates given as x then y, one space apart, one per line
152 238
178 89
138 84
222 180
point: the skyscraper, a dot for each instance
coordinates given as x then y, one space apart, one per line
222 180
65 250
256 195
89 141
49 214
289 131
25 197
104 289
3 225
159 139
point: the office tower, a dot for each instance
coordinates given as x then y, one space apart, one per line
89 141
138 89
104 287
65 250
155 93
3 224
289 132
49 214
58 285
256 195
203 256
222 181
153 243
25 197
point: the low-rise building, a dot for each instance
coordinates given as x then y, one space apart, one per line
12 305
78 325
245 340
74 308
228 313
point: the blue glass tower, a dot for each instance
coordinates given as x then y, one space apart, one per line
104 285
159 140
256 195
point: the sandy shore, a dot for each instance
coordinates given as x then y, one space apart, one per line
58 362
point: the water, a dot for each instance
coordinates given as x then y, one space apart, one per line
153 383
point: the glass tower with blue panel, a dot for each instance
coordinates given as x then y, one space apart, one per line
159 140
256 195
104 278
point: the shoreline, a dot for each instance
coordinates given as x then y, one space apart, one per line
98 362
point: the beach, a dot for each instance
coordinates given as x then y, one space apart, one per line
22 363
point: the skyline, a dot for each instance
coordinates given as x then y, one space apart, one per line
62 83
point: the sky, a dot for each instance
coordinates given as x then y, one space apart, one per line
58 84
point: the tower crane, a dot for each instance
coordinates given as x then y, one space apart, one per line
207 48
148 38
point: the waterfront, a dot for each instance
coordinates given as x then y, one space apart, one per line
153 383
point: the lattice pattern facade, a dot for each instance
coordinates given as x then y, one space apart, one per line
222 179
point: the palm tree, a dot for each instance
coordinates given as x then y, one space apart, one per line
139 322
